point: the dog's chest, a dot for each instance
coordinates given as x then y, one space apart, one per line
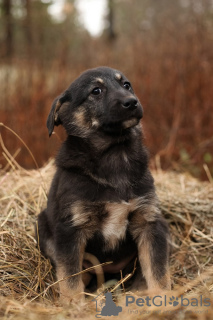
108 218
115 224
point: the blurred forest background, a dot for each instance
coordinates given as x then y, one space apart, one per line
165 48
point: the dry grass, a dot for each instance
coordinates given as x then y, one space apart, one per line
27 289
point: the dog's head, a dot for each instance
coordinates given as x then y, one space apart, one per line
100 99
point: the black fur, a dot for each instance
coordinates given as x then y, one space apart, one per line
102 180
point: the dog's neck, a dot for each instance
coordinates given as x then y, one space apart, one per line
106 166
95 145
95 157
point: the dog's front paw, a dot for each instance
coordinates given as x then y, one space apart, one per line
72 297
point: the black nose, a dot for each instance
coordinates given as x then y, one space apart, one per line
130 103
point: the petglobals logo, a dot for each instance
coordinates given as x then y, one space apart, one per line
109 308
163 301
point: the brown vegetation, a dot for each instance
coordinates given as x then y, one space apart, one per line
166 51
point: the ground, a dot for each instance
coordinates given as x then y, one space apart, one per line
27 282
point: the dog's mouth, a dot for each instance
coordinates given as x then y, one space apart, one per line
130 123
120 127
120 121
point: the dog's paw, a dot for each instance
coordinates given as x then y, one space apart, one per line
73 299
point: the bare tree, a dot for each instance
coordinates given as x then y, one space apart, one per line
8 40
28 27
111 29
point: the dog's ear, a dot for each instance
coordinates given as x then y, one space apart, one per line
53 117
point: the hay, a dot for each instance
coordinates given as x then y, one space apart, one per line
27 279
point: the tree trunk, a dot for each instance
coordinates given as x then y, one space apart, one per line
28 29
111 20
8 42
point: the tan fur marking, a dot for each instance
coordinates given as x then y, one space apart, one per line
148 207
145 261
79 217
66 292
57 107
95 123
100 80
137 129
147 210
114 227
118 76
125 157
79 117
117 211
80 121
90 98
84 218
130 123
165 281
50 249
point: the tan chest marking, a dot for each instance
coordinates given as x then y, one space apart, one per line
87 216
115 225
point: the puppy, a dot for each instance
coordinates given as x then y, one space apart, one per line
102 199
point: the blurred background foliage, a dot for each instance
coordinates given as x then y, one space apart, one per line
164 47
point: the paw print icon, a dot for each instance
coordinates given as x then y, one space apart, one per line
174 301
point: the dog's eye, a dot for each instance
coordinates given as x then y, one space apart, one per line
127 85
96 91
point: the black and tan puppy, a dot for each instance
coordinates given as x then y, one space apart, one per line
102 199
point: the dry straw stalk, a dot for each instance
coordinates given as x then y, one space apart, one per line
27 282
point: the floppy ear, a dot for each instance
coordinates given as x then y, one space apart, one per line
53 117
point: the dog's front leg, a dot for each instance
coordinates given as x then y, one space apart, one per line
70 245
150 232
